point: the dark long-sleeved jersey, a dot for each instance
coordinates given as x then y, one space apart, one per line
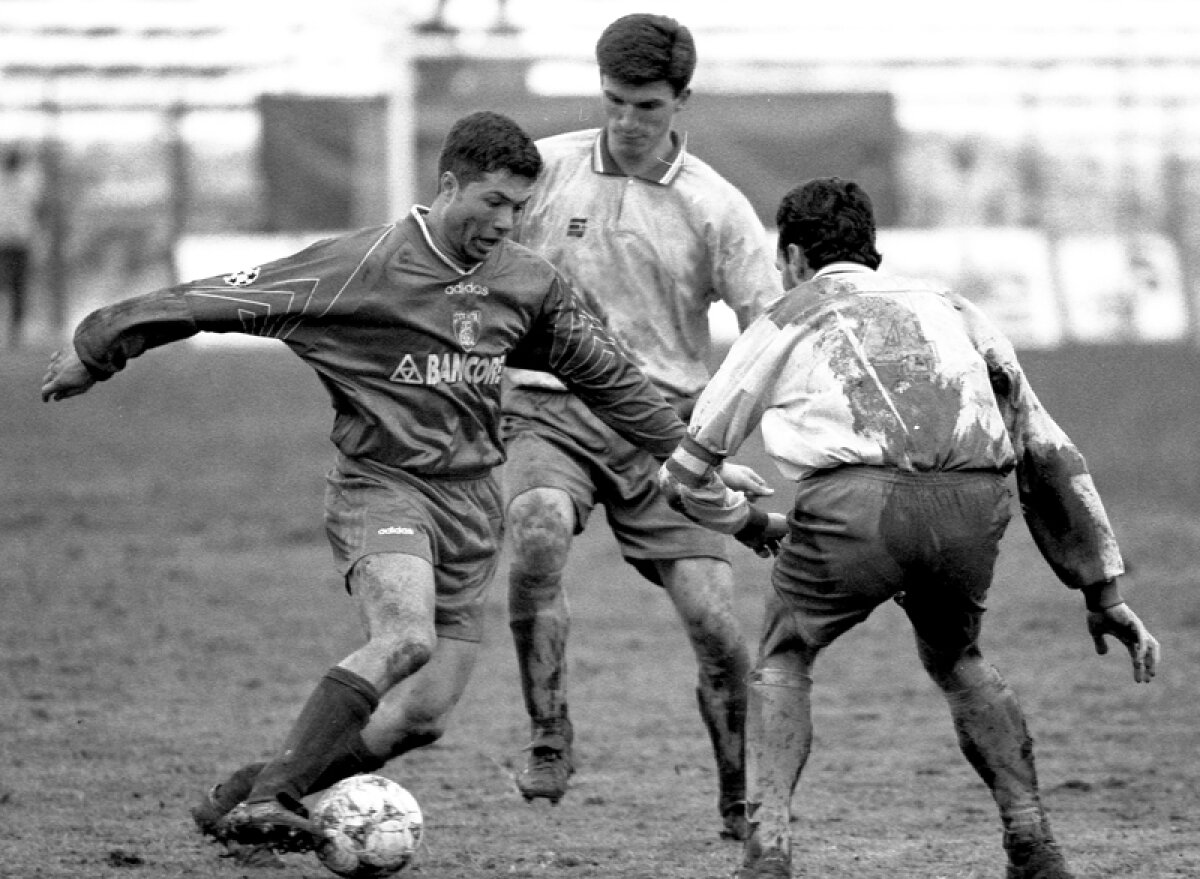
410 346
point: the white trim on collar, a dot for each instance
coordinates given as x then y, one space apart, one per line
665 178
418 213
842 268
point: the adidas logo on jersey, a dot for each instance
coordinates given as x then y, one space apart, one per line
463 288
576 227
396 529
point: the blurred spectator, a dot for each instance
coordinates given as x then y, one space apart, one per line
20 197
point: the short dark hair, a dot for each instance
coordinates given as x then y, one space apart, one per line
483 142
830 220
642 48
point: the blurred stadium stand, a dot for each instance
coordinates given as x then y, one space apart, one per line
992 136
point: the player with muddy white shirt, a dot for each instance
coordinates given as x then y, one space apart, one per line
899 410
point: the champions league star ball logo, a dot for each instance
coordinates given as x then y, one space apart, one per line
244 278
466 328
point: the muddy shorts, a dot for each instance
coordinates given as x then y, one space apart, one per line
454 524
554 441
862 535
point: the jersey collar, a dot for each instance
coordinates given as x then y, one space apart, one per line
418 213
668 168
842 268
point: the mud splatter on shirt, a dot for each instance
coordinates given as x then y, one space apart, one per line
855 367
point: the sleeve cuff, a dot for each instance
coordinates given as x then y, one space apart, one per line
95 370
756 524
1103 595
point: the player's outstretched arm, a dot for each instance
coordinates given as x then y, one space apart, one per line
66 376
1122 623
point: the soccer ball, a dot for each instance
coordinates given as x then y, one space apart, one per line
372 827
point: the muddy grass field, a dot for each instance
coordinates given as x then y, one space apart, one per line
167 600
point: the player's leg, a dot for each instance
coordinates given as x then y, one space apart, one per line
967 518
395 596
779 733
993 735
411 715
550 437
831 573
541 523
701 590
414 713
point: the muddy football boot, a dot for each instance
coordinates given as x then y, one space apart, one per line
215 805
547 770
222 797
270 823
1044 866
1037 859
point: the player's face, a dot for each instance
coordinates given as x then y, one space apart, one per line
480 214
639 118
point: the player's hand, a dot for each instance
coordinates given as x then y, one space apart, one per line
744 479
763 533
66 376
1124 625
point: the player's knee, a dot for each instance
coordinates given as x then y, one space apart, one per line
720 648
405 655
540 533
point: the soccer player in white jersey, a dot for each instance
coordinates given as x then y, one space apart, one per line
650 236
408 326
898 408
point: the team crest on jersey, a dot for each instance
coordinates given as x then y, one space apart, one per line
466 328
244 278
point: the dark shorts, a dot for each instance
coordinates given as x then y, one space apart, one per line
862 535
454 524
554 441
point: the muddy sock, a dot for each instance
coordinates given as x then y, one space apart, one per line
778 739
539 629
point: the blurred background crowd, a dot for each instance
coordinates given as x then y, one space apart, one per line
1044 157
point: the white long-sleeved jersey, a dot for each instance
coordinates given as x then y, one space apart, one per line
648 256
858 367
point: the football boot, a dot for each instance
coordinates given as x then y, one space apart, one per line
223 796
548 769
283 828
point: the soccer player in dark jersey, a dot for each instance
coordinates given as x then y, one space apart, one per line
409 326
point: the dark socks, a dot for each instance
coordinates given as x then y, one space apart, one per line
349 757
324 735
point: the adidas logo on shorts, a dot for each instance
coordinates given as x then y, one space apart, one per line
396 529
